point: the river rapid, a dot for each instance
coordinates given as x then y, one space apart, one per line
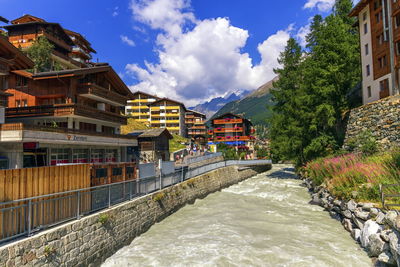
263 221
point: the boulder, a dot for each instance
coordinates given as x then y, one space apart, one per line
380 218
363 215
376 245
367 206
358 222
348 225
347 214
385 235
315 200
337 202
370 228
387 258
373 212
351 205
390 218
356 234
394 246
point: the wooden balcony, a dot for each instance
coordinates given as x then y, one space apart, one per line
99 93
64 110
228 121
229 130
232 139
384 93
28 127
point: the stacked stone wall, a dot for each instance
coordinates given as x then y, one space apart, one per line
381 118
92 239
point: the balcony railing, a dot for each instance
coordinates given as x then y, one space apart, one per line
90 89
228 130
232 139
228 121
65 110
27 127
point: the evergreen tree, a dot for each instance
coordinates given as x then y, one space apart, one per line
40 53
311 95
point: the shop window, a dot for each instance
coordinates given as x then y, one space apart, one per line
60 156
80 156
110 155
96 156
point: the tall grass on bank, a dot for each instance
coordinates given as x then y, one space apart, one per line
355 175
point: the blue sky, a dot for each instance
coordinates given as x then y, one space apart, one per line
189 50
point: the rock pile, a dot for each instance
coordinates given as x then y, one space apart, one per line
376 230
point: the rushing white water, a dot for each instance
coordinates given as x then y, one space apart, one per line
263 221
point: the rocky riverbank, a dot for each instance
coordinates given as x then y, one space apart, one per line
376 230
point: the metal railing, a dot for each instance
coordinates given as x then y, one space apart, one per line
389 192
27 216
202 158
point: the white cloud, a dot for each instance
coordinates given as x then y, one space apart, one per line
115 11
204 61
125 39
321 5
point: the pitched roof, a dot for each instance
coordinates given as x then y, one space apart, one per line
111 74
151 133
20 60
26 18
141 92
196 112
357 9
171 100
78 35
235 115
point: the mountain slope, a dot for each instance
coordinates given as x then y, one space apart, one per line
253 106
209 108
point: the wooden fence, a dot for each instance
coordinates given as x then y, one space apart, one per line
31 182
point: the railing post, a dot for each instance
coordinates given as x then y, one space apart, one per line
109 195
78 215
382 196
130 190
29 217
182 175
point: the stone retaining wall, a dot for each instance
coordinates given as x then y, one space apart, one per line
206 162
376 230
381 118
92 239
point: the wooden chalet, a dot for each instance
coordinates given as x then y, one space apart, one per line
24 31
153 144
231 129
82 49
195 123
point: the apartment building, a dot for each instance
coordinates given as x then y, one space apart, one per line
63 117
71 50
138 107
169 114
379 29
231 129
195 123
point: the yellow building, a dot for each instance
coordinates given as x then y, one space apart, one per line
170 114
138 107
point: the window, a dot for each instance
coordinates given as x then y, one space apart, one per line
377 17
24 103
384 85
369 91
365 28
17 103
21 81
382 61
397 21
398 48
368 70
366 49
365 16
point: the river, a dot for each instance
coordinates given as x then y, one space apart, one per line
263 221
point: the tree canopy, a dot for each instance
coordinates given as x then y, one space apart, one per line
312 93
40 53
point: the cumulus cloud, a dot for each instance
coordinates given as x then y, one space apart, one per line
125 39
321 5
202 61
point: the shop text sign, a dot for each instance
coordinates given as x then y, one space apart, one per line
76 138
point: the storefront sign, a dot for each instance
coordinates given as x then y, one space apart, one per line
77 138
31 145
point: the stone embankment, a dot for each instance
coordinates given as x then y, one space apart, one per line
92 239
381 118
376 230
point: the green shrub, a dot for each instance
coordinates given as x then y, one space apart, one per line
396 158
368 144
103 219
49 251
